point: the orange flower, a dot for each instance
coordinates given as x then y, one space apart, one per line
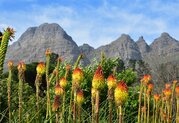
56 103
174 81
58 90
156 97
121 93
10 64
167 93
48 52
146 79
63 82
21 67
79 97
68 67
98 79
77 76
167 85
150 88
111 82
177 91
40 68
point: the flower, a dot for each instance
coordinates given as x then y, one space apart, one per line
59 90
48 52
167 85
98 79
56 103
156 97
111 82
167 93
68 67
79 97
40 68
177 91
21 67
174 81
10 64
121 93
77 76
146 79
150 88
63 82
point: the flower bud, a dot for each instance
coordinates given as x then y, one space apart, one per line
59 90
157 97
167 85
63 82
40 68
21 67
77 76
121 93
98 79
10 64
167 93
111 82
79 97
145 80
177 92
48 52
56 103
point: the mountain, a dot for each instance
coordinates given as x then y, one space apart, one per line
31 46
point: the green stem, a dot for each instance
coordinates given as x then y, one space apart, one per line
78 61
140 99
9 93
153 117
79 113
74 107
145 104
156 113
97 106
63 108
93 104
148 109
120 114
177 114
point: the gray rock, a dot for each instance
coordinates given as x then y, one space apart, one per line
33 43
143 46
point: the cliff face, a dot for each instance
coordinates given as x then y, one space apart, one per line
34 41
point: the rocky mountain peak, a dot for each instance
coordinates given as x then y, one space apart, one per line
143 46
86 48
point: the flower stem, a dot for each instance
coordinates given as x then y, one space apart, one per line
140 99
97 106
120 113
148 108
9 93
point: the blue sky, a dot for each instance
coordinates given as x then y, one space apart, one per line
96 22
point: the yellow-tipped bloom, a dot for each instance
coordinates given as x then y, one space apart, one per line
21 67
98 79
77 76
111 82
63 82
145 80
174 81
40 68
59 90
79 97
10 64
177 92
157 97
167 93
121 93
56 103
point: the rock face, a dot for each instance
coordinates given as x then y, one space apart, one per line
124 47
143 46
33 43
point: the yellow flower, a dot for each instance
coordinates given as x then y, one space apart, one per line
63 82
79 97
121 93
98 79
111 82
59 90
40 68
77 76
